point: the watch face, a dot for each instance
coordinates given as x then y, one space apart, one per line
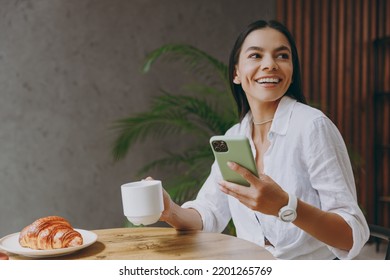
288 215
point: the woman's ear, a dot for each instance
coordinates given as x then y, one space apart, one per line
236 79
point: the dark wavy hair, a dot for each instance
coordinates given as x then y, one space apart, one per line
295 89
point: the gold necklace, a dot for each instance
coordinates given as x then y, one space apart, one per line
263 122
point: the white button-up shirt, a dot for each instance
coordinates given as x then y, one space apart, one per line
307 157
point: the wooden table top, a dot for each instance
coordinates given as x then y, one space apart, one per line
152 243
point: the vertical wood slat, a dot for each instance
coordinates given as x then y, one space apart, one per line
383 111
333 58
340 64
305 44
347 81
386 107
366 178
370 85
325 54
315 59
335 44
357 89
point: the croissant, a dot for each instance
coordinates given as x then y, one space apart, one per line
52 232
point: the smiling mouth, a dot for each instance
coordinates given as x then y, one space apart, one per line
268 81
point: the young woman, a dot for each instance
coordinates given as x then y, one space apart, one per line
303 205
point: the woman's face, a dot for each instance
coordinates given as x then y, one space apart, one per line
264 67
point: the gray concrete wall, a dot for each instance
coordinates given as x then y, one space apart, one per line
68 68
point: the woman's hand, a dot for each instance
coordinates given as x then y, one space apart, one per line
178 217
166 214
263 195
167 204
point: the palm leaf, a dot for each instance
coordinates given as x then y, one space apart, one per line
192 56
184 188
170 114
192 159
201 110
223 98
147 124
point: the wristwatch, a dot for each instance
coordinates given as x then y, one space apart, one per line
288 213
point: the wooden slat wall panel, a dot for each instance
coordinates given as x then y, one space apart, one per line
335 43
383 135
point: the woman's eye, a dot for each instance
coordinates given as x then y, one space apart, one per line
283 56
254 55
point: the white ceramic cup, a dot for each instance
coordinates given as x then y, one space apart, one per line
143 201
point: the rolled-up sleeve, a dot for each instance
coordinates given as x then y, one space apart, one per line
331 175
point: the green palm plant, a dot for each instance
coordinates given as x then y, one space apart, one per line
199 110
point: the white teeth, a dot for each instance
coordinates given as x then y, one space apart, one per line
268 80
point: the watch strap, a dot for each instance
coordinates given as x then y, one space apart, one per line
290 208
292 201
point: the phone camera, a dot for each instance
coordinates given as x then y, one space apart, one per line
220 146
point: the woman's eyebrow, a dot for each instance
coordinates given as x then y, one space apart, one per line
256 48
283 48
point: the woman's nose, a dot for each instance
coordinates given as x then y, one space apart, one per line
268 63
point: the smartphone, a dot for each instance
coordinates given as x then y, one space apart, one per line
236 149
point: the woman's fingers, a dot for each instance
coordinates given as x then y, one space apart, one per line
245 173
258 195
232 188
245 195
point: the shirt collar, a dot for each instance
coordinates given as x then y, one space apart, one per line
281 119
283 115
